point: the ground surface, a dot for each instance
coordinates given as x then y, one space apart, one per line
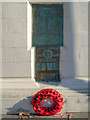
74 115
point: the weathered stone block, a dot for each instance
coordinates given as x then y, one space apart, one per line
14 9
14 40
14 25
15 55
79 104
16 70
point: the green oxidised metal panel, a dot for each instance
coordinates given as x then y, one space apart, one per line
47 25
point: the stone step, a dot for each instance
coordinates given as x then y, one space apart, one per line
24 83
71 104
15 93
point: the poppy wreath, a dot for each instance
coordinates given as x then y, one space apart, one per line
47 93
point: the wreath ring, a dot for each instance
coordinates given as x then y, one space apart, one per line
47 93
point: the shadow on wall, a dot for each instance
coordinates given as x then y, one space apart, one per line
75 56
69 65
24 104
75 51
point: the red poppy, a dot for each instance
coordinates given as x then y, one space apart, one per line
47 93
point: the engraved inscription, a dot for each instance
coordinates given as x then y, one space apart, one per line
47 63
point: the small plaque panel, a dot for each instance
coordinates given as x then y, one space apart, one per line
47 25
47 63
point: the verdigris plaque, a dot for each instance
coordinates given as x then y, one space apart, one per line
47 25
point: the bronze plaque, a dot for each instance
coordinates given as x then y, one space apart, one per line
47 63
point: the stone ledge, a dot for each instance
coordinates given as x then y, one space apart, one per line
69 83
71 104
23 87
20 93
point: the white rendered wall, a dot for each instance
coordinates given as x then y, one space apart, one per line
74 54
74 58
16 58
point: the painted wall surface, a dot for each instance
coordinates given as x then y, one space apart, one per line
75 50
15 57
74 54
